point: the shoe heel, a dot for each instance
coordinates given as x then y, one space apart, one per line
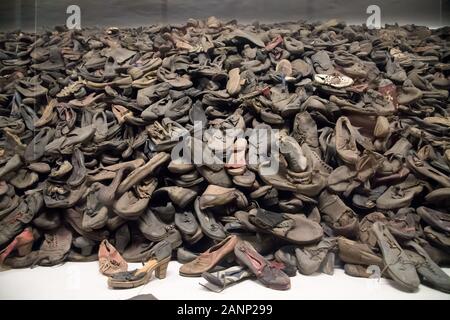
161 271
25 249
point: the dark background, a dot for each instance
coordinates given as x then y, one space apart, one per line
39 14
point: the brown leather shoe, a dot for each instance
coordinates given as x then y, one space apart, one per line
109 259
208 259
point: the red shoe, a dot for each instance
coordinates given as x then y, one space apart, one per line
23 242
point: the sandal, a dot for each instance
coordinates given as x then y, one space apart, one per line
159 261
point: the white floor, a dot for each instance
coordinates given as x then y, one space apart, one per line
83 281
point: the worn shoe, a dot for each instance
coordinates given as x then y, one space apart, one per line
435 218
219 280
340 217
264 271
399 266
109 259
158 261
427 268
294 228
310 258
210 258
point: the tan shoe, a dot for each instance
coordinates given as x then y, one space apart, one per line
208 259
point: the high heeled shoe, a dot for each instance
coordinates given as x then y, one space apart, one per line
23 243
159 261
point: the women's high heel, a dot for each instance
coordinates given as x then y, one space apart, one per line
23 243
159 261
161 271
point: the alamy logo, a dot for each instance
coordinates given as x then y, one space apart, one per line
374 20
74 20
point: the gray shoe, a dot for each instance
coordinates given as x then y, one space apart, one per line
55 247
399 266
22 262
15 222
85 245
130 206
39 167
286 255
305 130
11 165
174 237
185 256
66 143
327 266
36 148
441 239
293 153
165 211
208 224
341 218
8 204
138 250
427 268
186 223
95 215
140 173
75 219
24 179
437 219
47 220
107 194
79 170
152 227
217 281
122 238
60 196
100 123
310 258
439 256
400 195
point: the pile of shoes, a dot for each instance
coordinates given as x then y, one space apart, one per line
90 120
